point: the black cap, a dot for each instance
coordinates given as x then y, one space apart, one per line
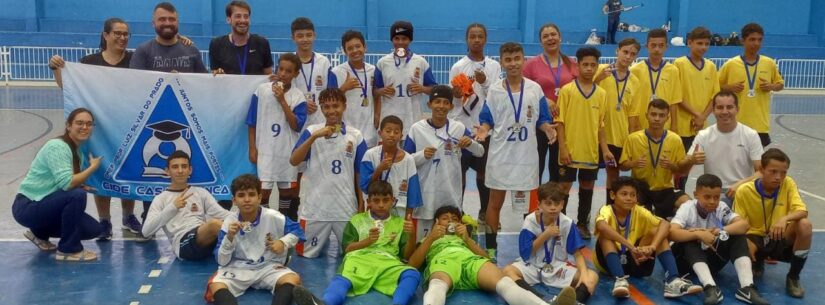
401 28
441 91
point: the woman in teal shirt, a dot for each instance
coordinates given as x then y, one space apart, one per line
51 201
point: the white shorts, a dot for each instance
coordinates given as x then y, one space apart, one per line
268 185
239 280
561 276
318 237
422 228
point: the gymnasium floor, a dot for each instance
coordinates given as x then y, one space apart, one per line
30 116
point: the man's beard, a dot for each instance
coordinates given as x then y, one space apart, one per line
167 34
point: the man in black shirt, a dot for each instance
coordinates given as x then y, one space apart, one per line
167 52
613 9
240 52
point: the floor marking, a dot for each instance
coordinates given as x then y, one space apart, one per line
144 289
812 194
639 297
163 260
134 303
155 273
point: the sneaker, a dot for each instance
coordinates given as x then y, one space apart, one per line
713 295
567 296
680 287
584 231
106 234
492 254
620 287
794 288
303 296
131 223
748 294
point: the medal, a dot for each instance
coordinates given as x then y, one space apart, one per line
548 268
310 97
723 235
652 97
308 80
556 92
556 74
380 225
751 79
247 227
623 259
516 109
365 102
766 241
621 92
751 93
654 84
451 228
400 52
279 84
516 126
336 128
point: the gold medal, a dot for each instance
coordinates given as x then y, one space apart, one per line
365 102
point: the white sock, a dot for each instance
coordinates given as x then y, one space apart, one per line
515 295
703 273
437 293
743 271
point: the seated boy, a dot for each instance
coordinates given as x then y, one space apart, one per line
708 235
181 211
455 261
627 238
253 251
375 242
547 238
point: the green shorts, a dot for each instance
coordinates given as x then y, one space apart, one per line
370 269
463 268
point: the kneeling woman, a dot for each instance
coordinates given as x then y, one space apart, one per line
51 201
455 261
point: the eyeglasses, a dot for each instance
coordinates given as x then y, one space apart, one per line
120 34
83 123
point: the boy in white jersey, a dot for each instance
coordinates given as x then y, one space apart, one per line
437 145
514 109
402 79
356 78
276 115
482 72
547 240
390 163
333 152
253 251
181 211
312 76
708 234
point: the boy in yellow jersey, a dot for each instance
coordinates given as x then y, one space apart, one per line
658 78
753 77
622 88
654 155
778 218
628 237
581 134
699 83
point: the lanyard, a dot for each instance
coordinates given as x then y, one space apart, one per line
548 253
447 139
362 83
775 196
381 158
251 224
398 60
308 82
625 225
751 79
516 110
556 75
624 86
654 85
661 142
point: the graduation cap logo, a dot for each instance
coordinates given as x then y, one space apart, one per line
166 130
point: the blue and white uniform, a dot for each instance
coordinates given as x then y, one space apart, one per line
400 73
534 266
360 104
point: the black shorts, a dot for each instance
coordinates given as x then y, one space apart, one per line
478 164
687 142
689 253
568 174
189 249
617 155
631 269
660 202
780 250
765 138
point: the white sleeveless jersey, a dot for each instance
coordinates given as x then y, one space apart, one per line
248 249
312 79
402 176
561 248
273 136
409 70
359 114
467 111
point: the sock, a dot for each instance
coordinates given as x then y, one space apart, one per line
521 283
224 297
743 270
483 195
513 294
293 208
283 295
564 208
703 273
283 204
613 264
336 292
582 294
669 264
607 196
109 218
407 285
146 205
436 293
585 204
490 239
797 262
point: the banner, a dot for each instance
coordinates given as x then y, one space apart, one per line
141 117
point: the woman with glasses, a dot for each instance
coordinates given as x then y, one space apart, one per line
51 201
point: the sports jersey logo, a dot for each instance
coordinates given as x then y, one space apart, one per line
529 113
402 188
562 171
417 73
349 149
194 208
319 83
165 129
